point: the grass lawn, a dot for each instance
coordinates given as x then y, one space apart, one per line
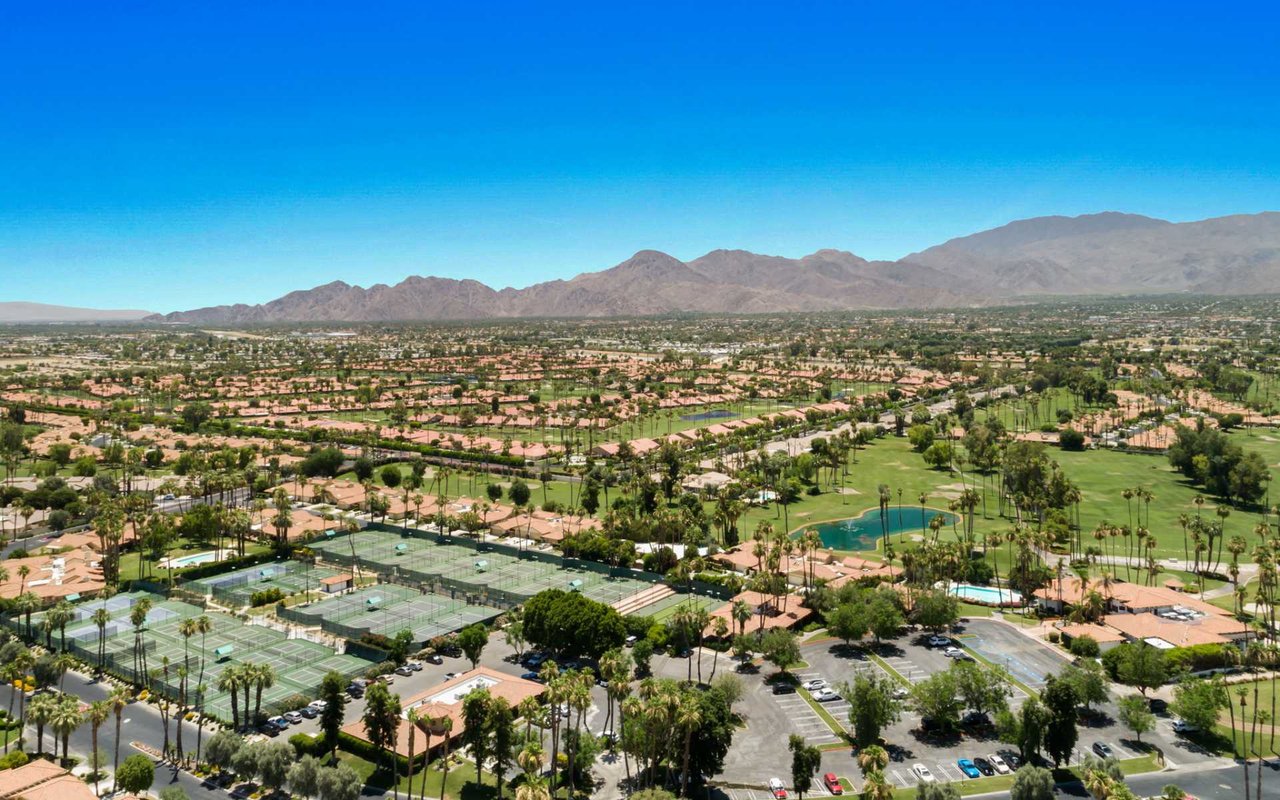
1100 474
459 785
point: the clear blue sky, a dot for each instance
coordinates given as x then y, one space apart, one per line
173 155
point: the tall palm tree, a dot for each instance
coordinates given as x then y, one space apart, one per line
229 683
118 700
99 711
688 719
39 713
873 758
100 618
65 719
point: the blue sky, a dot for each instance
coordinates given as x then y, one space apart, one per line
169 156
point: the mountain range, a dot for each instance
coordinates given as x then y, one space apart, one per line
19 312
1097 254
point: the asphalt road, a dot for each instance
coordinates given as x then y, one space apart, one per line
141 723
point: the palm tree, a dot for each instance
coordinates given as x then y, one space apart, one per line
97 714
688 719
229 682
118 700
66 718
264 677
100 618
875 787
873 758
39 713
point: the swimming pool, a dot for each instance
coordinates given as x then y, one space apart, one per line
862 532
193 559
985 595
702 416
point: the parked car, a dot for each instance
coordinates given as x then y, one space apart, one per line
975 719
832 783
293 717
999 763
1011 759
776 789
267 729
901 693
815 684
1103 749
939 641
630 641
280 722
967 767
435 658
826 695
532 676
923 775
404 670
984 766
782 687
355 691
318 705
308 712
953 652
1182 726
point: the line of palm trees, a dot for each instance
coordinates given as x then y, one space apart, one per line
240 682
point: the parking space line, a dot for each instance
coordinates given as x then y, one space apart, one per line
897 776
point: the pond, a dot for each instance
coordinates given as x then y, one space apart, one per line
862 533
703 416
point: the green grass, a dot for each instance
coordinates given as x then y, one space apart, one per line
890 671
459 785
823 714
1101 475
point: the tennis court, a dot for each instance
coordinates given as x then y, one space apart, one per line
387 609
667 607
498 576
299 665
234 589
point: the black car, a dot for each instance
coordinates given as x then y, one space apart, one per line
784 688
268 729
308 712
435 659
1011 758
1158 706
976 719
984 766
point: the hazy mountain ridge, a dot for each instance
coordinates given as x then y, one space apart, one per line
41 312
1107 253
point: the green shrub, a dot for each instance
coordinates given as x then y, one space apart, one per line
266 597
1084 647
15 758
1054 637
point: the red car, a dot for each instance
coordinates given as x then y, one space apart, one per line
832 783
776 789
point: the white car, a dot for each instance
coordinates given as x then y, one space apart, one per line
319 705
815 684
1182 726
939 641
826 695
953 652
923 774
901 693
999 763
